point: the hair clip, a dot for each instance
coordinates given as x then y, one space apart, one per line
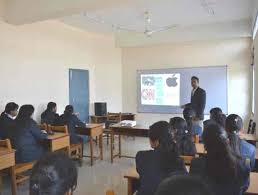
236 119
186 131
35 187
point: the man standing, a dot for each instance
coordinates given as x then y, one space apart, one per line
198 101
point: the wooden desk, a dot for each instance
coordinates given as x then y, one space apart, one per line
200 148
117 129
7 160
132 175
93 130
251 138
103 119
58 141
253 187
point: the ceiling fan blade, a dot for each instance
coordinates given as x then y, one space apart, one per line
162 29
128 30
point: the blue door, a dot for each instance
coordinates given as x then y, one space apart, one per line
79 92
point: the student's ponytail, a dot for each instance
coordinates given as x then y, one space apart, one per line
234 124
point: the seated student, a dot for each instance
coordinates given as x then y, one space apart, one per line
7 119
234 125
225 172
189 114
72 121
53 174
182 136
27 136
183 185
49 116
216 115
155 165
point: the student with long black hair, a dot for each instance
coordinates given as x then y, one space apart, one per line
49 116
225 172
72 121
182 136
155 165
234 126
7 117
53 174
183 185
217 116
27 136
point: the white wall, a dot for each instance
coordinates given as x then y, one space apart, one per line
256 75
236 53
35 59
2 8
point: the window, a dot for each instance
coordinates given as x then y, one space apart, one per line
255 26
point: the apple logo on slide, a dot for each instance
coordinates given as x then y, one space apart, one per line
171 81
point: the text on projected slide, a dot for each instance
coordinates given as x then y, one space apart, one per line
160 89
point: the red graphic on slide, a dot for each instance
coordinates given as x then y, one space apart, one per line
148 94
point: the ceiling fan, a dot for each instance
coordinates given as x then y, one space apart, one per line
147 23
148 31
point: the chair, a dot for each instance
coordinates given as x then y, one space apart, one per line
43 126
187 159
20 169
196 138
112 118
76 150
250 126
253 128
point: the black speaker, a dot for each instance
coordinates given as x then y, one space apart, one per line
100 108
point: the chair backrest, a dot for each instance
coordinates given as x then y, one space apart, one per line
250 126
114 116
196 138
253 128
187 159
110 192
43 126
59 129
6 144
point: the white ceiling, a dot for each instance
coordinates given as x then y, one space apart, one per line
231 18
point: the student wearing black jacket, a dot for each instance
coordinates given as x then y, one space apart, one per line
155 165
7 117
182 136
49 116
217 116
225 172
72 121
27 136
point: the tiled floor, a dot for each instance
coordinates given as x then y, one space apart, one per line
103 175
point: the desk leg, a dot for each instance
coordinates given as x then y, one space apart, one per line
91 151
119 146
112 145
13 181
101 146
129 186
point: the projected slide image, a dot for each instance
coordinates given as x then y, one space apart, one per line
160 89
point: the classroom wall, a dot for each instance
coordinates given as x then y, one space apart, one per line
2 8
35 59
236 53
256 76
